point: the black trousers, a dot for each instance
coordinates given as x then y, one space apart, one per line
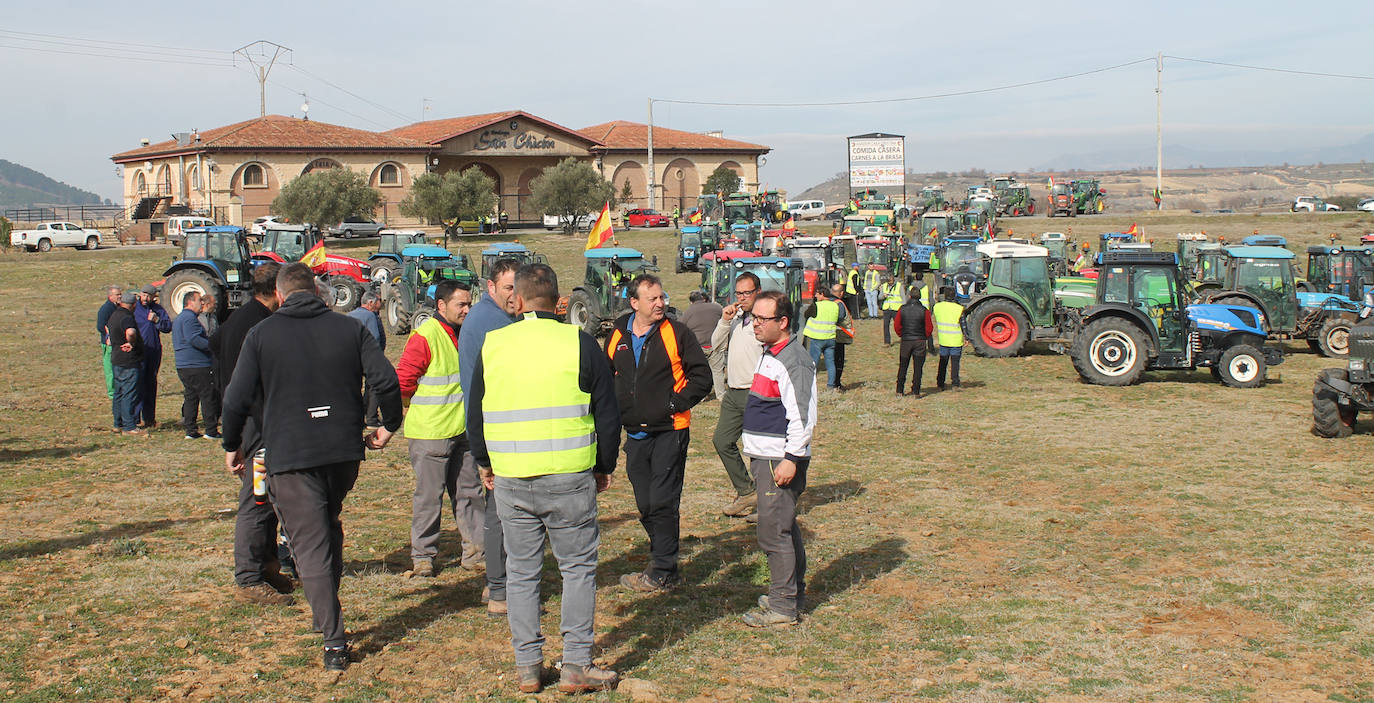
199 393
839 358
309 502
913 353
255 526
953 362
888 316
656 466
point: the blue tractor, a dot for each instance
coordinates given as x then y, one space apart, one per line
1140 320
1261 277
601 297
408 298
214 260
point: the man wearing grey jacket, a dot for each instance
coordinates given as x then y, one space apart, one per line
735 333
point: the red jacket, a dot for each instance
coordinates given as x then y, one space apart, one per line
414 359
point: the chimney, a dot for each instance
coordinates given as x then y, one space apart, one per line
145 141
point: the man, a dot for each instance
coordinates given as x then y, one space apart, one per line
914 326
844 336
258 560
545 430
964 283
191 353
701 317
822 317
308 364
102 316
126 361
435 427
660 375
853 287
734 340
495 310
949 335
153 322
366 315
1083 261
892 302
209 314
872 281
779 421
677 213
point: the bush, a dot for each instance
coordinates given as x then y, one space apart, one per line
324 198
1345 202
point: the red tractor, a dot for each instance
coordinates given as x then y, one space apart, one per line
349 278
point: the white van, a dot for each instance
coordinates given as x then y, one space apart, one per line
807 209
177 226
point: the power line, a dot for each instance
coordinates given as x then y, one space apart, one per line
297 91
1271 69
342 89
179 62
149 47
913 98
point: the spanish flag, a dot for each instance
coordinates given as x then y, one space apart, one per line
694 218
601 230
1133 231
315 257
789 226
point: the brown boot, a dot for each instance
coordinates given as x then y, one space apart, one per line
262 594
743 505
276 580
496 609
583 679
530 678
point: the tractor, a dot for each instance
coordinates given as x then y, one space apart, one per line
1015 201
387 261
1020 300
954 251
1339 394
602 297
939 224
1262 278
739 209
1188 243
408 298
1062 200
779 273
507 250
347 277
819 263
1208 263
931 199
1140 320
214 260
1344 270
715 279
1058 246
876 252
689 249
710 236
1088 196
770 206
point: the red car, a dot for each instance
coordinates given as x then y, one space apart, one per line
646 218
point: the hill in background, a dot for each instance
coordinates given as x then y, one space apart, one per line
22 187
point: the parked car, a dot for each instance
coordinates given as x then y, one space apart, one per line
256 229
1308 203
836 214
356 227
1366 205
646 218
584 222
55 234
807 209
177 226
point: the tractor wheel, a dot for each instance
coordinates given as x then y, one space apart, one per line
187 280
1334 338
998 329
1110 351
421 315
383 271
1242 366
395 318
92 243
348 293
1330 418
1030 209
580 312
45 244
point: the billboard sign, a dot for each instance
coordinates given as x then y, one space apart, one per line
877 160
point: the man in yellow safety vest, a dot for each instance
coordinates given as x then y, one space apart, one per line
892 302
949 335
872 281
822 317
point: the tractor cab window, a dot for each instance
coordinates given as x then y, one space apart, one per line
1154 292
1030 277
1116 286
386 242
223 249
291 246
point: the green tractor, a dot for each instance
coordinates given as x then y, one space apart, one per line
1020 300
1059 248
739 209
601 298
1340 394
931 199
938 225
408 298
1209 263
1016 201
1088 196
1188 243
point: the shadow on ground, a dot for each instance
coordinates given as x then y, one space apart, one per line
129 529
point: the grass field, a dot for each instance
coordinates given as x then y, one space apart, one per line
1027 538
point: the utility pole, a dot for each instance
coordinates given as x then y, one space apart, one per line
651 153
1159 130
257 56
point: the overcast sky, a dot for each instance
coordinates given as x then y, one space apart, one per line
582 63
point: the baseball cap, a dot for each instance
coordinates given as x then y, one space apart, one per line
129 298
150 289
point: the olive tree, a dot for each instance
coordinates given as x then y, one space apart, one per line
326 197
451 196
723 180
569 190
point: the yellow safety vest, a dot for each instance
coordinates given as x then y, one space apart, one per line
536 419
851 283
872 279
822 326
925 297
934 262
948 333
893 296
436 410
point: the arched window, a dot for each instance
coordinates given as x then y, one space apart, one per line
253 176
193 177
389 175
140 182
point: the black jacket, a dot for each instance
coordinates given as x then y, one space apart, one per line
308 364
912 320
227 340
645 392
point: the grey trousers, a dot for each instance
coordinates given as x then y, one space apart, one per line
561 508
495 544
310 501
729 429
440 469
779 536
716 358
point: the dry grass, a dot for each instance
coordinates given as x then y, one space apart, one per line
1027 538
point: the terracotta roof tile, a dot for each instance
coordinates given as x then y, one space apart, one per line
281 132
635 136
439 131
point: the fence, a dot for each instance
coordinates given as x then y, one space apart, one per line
70 213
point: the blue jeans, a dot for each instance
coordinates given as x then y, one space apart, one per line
561 508
826 348
871 298
126 380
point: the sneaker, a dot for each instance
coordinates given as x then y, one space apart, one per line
584 679
336 658
213 435
279 582
530 678
262 594
742 505
639 582
194 435
422 568
767 617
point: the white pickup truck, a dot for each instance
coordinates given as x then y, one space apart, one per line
55 234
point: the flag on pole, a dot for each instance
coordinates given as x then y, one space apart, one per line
789 226
1134 231
934 232
694 218
315 257
601 230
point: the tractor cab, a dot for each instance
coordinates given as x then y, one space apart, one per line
214 260
818 262
1149 284
1208 265
1113 240
956 250
1057 246
1264 240
716 276
739 208
854 224
931 198
689 249
874 253
938 225
602 297
779 273
710 236
1188 243
771 241
710 207
1345 271
408 298
387 260
285 243
508 250
1263 274
771 208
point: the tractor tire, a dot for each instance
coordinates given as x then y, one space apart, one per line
383 271
421 315
1334 338
92 243
393 317
1030 209
998 329
1110 351
176 287
1242 366
580 313
1330 419
45 245
348 293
